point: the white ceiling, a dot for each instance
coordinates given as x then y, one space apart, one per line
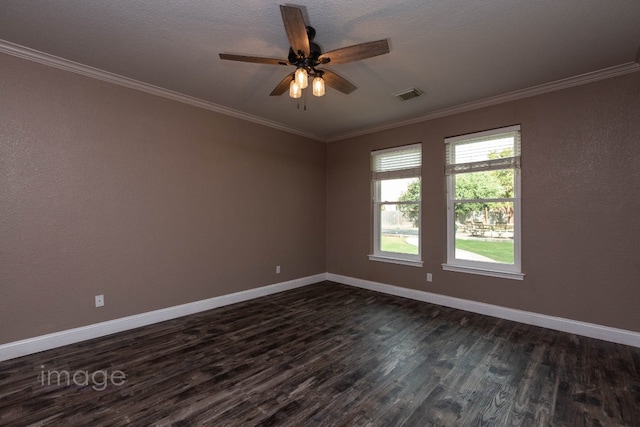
456 51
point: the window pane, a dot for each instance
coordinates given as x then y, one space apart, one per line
483 182
395 175
400 190
399 228
484 232
495 184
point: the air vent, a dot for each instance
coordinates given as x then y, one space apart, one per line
408 94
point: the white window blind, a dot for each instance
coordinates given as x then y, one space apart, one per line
490 150
405 162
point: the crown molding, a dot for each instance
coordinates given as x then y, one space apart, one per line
594 76
85 70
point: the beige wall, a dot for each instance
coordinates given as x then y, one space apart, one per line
153 203
580 198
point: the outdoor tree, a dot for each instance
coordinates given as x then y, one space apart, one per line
505 177
493 184
475 185
412 194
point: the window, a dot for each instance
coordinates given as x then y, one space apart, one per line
483 203
396 188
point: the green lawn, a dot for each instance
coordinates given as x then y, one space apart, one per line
397 244
500 251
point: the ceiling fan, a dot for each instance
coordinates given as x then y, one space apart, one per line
306 56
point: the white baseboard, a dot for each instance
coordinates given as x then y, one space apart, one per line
620 336
58 339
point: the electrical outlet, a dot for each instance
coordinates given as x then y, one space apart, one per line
99 300
277 269
429 277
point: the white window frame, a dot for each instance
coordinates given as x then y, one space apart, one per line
509 271
411 170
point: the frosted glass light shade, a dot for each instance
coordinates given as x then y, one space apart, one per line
294 90
302 78
318 86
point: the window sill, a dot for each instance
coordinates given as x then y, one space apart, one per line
484 271
393 260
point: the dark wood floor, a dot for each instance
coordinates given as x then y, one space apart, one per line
330 355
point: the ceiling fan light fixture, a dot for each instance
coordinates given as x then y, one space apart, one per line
294 89
318 86
306 55
302 78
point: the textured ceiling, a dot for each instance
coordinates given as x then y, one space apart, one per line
456 51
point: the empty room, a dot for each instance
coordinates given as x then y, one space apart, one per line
330 213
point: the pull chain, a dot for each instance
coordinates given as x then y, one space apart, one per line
305 100
304 105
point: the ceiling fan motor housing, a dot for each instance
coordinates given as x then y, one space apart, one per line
311 32
315 51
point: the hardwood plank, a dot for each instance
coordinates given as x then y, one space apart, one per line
331 355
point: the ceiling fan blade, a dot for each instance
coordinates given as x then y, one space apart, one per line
296 29
355 52
339 83
254 59
283 86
